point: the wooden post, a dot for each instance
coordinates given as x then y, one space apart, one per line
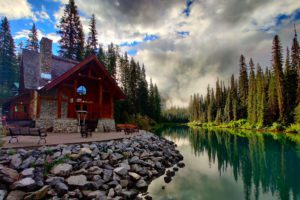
75 96
100 92
59 97
111 106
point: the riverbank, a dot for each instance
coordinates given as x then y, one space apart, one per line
117 169
242 128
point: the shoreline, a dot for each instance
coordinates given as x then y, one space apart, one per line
115 169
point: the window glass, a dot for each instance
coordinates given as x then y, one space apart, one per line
81 90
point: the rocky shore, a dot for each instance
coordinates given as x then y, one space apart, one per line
119 169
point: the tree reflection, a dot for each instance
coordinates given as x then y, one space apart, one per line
264 162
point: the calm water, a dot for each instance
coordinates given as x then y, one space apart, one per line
240 165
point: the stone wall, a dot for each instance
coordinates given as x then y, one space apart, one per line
108 123
65 125
48 109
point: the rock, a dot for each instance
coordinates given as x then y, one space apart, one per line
125 165
56 155
134 160
163 187
61 188
130 194
40 161
26 163
122 171
84 151
141 184
167 179
113 183
111 193
27 183
135 176
124 183
95 170
107 173
15 161
39 194
8 175
95 152
175 169
180 164
118 189
170 173
77 181
15 195
94 194
27 172
104 156
62 169
2 194
148 197
53 180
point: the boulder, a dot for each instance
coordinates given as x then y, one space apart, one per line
180 164
135 176
39 194
77 181
15 161
2 194
122 171
26 163
62 169
129 194
61 188
98 194
27 172
111 193
8 175
141 184
25 183
15 195
84 151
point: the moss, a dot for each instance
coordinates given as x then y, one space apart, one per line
49 164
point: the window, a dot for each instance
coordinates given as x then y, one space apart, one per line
81 90
16 108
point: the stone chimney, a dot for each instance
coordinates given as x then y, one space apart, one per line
45 58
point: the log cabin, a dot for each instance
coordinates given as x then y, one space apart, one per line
53 91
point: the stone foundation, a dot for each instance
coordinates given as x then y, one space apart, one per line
65 125
108 123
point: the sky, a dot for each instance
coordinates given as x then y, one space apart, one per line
184 44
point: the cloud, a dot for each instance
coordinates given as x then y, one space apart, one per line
23 34
195 41
42 15
16 9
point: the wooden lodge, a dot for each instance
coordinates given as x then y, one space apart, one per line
53 91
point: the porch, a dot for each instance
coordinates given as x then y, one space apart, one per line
65 138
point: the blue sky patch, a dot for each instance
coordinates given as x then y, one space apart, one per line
183 34
187 10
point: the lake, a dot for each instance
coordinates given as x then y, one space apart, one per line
228 164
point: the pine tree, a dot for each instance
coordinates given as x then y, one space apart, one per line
290 74
32 41
243 86
112 56
143 92
251 97
272 100
92 42
101 54
72 36
157 104
8 60
279 77
260 97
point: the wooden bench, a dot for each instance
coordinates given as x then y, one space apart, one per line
26 131
85 131
127 128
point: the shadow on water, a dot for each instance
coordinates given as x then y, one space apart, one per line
253 165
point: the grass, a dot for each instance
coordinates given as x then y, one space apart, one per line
49 164
244 124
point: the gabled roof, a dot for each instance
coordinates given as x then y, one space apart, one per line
118 94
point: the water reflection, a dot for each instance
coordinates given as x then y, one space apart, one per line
263 166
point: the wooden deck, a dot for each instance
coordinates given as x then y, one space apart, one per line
63 138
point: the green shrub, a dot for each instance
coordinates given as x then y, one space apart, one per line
277 126
293 128
297 114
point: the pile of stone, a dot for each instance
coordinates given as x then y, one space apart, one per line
118 169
